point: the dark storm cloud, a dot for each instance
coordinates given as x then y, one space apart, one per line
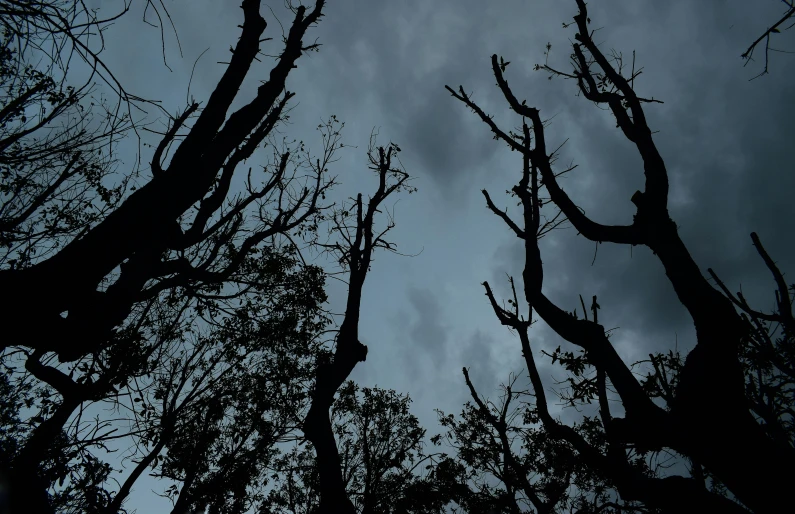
395 58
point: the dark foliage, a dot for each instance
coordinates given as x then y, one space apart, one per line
381 446
164 302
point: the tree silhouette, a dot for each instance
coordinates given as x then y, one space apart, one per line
108 272
510 463
173 229
219 401
357 238
707 419
381 456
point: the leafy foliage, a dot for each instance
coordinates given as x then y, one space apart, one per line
381 451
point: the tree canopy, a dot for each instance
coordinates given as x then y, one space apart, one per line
171 320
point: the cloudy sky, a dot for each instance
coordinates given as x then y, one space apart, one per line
385 64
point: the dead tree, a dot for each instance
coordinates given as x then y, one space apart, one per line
709 420
358 238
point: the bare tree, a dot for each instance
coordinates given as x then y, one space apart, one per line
708 419
357 239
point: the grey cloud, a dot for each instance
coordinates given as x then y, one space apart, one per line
427 333
438 124
397 63
478 357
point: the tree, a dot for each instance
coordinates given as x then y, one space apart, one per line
57 171
381 450
354 226
207 407
218 403
508 463
122 302
714 432
768 354
180 210
114 272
